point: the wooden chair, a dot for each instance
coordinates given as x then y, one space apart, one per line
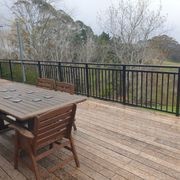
69 88
46 83
51 130
65 87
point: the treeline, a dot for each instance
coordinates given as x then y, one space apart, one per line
50 34
168 46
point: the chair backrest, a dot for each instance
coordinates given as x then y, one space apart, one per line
65 87
46 83
53 125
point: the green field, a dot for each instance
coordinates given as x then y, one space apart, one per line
170 63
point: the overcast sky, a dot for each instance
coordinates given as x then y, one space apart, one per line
88 10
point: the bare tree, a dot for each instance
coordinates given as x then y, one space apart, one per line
6 48
48 33
131 23
35 17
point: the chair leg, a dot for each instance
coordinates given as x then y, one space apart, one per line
74 126
16 152
34 164
51 146
2 124
74 152
3 127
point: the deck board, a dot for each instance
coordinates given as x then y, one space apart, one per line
113 142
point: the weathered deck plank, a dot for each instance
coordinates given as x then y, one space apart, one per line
113 142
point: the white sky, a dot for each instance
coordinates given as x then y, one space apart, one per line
88 10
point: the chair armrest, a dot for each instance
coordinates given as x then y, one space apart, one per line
24 132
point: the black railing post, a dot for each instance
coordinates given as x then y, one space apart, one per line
87 79
124 84
178 94
1 74
10 68
60 72
39 69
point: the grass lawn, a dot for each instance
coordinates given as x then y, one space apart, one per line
171 63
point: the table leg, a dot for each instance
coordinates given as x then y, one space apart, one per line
3 127
31 124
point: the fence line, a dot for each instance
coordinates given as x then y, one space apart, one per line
148 86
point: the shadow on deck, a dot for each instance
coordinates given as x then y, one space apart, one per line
113 142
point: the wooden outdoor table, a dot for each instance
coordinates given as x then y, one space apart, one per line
24 101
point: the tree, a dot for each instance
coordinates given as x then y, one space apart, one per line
51 34
131 24
165 44
34 17
175 54
6 48
83 43
103 42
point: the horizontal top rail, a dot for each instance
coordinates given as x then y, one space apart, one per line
90 63
147 71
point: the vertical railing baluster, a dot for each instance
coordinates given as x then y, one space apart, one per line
1 74
83 89
146 89
157 81
90 82
137 87
87 79
162 90
10 68
60 72
173 104
151 93
167 94
109 82
132 87
141 88
101 78
106 83
113 84
178 94
116 79
39 69
124 84
96 82
120 87
128 84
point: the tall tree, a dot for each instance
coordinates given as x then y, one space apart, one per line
34 17
51 34
103 48
131 23
165 45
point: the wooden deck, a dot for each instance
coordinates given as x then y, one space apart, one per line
113 142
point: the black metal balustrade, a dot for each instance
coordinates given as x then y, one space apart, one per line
148 86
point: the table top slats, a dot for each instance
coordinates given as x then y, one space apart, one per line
28 108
